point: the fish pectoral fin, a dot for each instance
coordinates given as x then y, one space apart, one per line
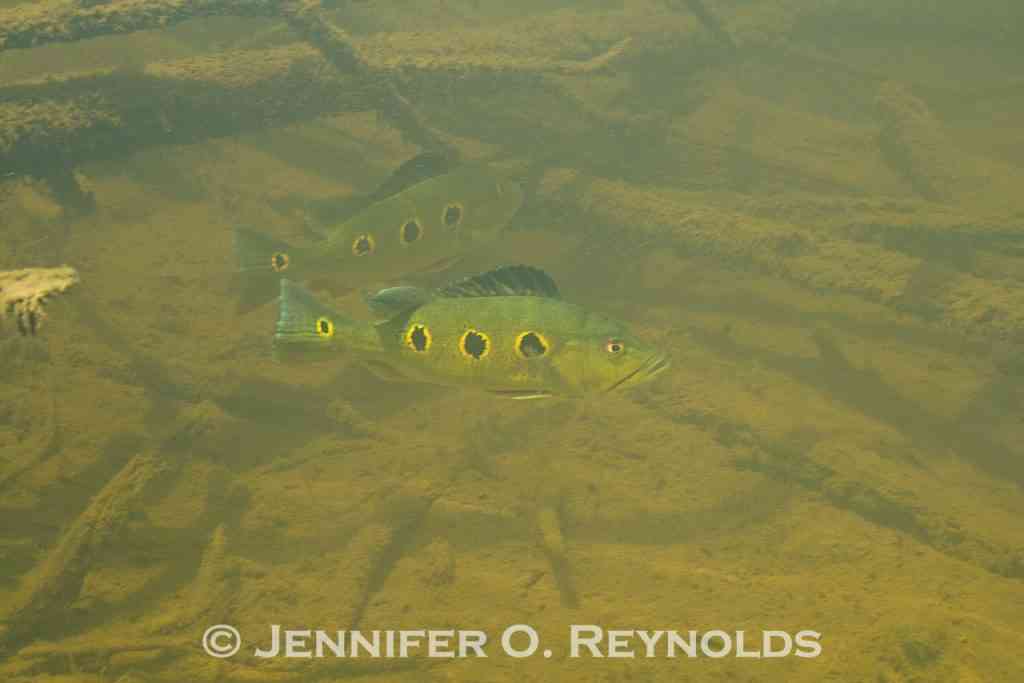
392 301
521 394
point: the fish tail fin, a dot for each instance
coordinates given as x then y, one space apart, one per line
306 326
261 261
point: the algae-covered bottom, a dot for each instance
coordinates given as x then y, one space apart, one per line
834 266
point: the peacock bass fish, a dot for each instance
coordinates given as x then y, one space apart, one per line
429 220
506 332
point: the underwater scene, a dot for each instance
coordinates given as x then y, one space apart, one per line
466 340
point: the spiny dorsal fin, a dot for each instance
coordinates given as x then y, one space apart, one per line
422 167
504 281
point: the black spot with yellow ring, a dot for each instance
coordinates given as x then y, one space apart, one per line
452 215
418 338
363 245
279 262
411 231
324 328
474 344
531 344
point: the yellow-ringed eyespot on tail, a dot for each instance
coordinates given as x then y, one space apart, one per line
324 327
279 261
474 344
418 338
452 215
363 245
531 344
614 346
411 231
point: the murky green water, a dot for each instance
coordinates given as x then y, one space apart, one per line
815 209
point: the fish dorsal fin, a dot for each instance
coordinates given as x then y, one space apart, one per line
504 281
423 166
414 171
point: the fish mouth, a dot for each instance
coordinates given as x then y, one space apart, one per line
646 371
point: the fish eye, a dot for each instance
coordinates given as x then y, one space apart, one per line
324 327
279 261
614 346
411 231
363 245
452 215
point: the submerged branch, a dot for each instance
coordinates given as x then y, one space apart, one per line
23 293
307 19
59 578
104 113
818 259
77 117
63 21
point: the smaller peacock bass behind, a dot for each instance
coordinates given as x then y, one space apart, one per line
506 332
428 215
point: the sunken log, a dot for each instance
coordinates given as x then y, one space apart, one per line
107 113
64 21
